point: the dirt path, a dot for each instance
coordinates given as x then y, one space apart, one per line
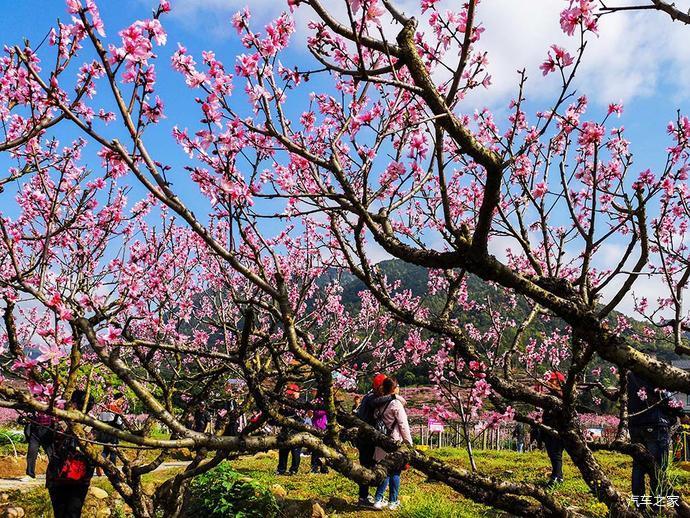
14 484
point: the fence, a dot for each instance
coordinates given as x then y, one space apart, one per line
499 438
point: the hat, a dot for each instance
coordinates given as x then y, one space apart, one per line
378 380
556 377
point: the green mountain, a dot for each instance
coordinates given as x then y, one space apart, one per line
415 278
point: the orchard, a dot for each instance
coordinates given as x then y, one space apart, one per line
188 262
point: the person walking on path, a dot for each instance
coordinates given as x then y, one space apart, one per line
393 417
38 431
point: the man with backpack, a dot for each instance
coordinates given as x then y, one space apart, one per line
366 410
649 422
70 469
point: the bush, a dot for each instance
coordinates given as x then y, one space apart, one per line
11 436
223 493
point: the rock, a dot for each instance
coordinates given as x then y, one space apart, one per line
14 512
265 455
103 513
278 491
336 502
97 492
4 497
317 511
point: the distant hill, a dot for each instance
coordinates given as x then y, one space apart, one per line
415 278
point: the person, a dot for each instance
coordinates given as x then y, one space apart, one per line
39 434
553 443
357 400
365 448
112 415
535 437
70 470
202 418
319 420
519 436
292 392
649 421
393 416
232 415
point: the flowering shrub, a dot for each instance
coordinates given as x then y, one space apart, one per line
223 492
8 416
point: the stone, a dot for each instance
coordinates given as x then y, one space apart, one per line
14 512
278 491
4 497
97 492
317 511
336 502
103 513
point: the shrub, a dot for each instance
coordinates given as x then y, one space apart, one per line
11 436
222 492
8 416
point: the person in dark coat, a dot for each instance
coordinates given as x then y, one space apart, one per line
535 438
70 469
38 431
292 392
519 436
366 410
650 418
553 443
201 419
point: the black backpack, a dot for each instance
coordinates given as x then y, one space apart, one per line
380 424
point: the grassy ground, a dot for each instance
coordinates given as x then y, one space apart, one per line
420 498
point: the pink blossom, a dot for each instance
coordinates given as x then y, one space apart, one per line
247 65
240 20
73 6
540 190
111 335
580 12
560 58
591 133
616 108
428 4
96 20
50 352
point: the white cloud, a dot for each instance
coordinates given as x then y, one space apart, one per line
634 53
628 59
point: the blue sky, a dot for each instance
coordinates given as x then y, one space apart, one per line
640 58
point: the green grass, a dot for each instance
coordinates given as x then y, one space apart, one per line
420 499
